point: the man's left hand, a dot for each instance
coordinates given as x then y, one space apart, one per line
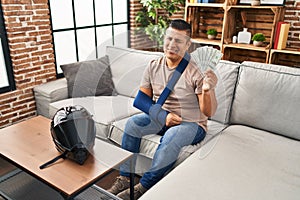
173 119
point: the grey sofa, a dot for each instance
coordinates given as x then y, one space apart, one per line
257 156
252 147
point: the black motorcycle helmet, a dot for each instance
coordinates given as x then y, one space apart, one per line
73 132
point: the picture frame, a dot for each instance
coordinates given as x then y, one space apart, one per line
245 2
263 2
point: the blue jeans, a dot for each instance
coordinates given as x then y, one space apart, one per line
172 140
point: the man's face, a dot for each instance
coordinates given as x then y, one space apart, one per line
176 43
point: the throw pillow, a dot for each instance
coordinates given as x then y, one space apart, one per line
89 78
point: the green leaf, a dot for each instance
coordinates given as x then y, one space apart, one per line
147 17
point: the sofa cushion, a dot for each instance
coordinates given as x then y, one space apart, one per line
241 163
227 73
127 67
105 110
89 78
267 97
150 143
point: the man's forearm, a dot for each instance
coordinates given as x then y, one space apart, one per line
208 104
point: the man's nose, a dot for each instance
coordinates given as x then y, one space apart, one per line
172 43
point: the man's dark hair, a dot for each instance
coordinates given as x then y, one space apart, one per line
182 25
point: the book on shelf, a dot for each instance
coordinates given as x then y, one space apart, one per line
277 33
283 36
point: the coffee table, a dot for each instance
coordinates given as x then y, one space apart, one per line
29 144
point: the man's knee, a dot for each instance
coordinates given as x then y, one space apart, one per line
140 120
135 124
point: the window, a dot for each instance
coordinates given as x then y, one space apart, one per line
6 72
82 29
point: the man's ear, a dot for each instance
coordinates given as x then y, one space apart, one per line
189 43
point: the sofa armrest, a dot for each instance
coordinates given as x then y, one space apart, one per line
49 92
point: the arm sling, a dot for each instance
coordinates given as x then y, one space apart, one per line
144 103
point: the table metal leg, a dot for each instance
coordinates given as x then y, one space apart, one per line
4 196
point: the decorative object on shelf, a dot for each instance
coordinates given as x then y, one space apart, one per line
273 2
211 33
277 33
264 2
283 36
258 39
255 3
234 39
247 2
244 36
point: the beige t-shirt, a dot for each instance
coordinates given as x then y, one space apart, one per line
183 100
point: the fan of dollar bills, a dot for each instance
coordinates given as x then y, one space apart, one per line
206 57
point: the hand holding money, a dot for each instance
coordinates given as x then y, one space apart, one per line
210 80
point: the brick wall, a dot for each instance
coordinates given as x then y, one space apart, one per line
292 15
138 40
30 43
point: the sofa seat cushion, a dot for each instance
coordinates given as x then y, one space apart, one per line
241 163
105 110
150 143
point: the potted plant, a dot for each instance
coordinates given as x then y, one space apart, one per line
258 39
155 17
211 33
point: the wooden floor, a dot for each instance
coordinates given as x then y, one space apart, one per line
104 183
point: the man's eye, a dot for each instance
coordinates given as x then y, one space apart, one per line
178 41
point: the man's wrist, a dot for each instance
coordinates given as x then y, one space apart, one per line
208 90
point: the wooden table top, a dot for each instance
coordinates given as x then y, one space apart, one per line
29 144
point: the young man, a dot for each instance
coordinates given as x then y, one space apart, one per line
189 104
